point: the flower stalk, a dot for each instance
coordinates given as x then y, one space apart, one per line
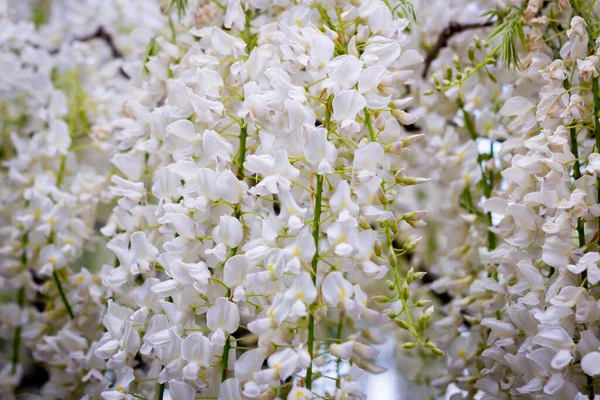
314 266
62 294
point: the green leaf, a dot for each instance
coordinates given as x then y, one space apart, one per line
181 6
151 50
407 10
510 30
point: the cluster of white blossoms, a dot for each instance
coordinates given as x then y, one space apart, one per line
513 249
543 342
58 86
245 199
259 205
463 130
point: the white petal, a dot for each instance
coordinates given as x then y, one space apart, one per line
590 363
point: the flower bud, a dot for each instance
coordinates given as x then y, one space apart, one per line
392 258
407 181
456 62
394 148
381 299
409 345
269 394
429 312
471 53
399 176
403 117
394 227
401 323
407 141
390 284
411 243
420 275
377 248
409 276
381 195
415 218
437 351
380 122
449 73
363 223
405 291
422 303
369 367
422 323
401 103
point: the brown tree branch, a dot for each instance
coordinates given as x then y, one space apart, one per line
104 36
452 29
100 34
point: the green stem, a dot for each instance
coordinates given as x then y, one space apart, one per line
161 391
20 303
242 152
237 214
398 281
369 125
63 296
315 262
577 172
576 175
225 358
488 193
576 167
468 121
17 338
340 329
61 170
575 151
488 178
239 162
248 38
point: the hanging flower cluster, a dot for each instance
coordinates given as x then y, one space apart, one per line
520 312
463 129
548 266
245 199
53 182
259 205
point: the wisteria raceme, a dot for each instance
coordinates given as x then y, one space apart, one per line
522 300
272 208
53 180
463 130
247 199
550 251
